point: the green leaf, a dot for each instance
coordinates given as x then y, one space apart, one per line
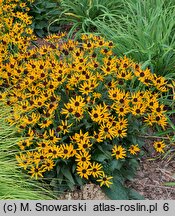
73 168
54 28
134 195
58 168
66 172
70 185
116 191
56 12
41 25
51 5
99 156
50 174
169 184
53 183
39 32
128 174
145 64
133 163
118 177
79 180
60 178
115 164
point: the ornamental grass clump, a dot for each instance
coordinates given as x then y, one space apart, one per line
144 31
82 15
82 111
14 184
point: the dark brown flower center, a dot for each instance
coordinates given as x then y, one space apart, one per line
84 171
65 151
95 115
83 159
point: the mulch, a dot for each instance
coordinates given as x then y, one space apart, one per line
149 182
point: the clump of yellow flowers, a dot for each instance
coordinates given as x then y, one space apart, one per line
77 105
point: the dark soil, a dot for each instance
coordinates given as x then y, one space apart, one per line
152 177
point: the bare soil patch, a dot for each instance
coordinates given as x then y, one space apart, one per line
149 181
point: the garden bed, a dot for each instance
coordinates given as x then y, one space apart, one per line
89 113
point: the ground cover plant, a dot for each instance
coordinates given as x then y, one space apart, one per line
82 110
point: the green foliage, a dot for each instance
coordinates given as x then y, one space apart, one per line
83 14
170 184
96 122
43 13
14 184
145 31
82 111
118 191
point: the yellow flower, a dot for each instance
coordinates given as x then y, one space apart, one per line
43 145
82 157
55 152
81 137
138 109
37 171
124 74
133 149
107 131
45 123
88 86
122 123
48 164
23 161
77 102
67 150
39 102
160 120
68 111
23 144
65 126
159 146
113 93
121 110
84 146
105 180
84 170
135 97
160 83
98 137
119 152
52 137
88 45
78 115
120 131
100 113
96 115
96 169
158 109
